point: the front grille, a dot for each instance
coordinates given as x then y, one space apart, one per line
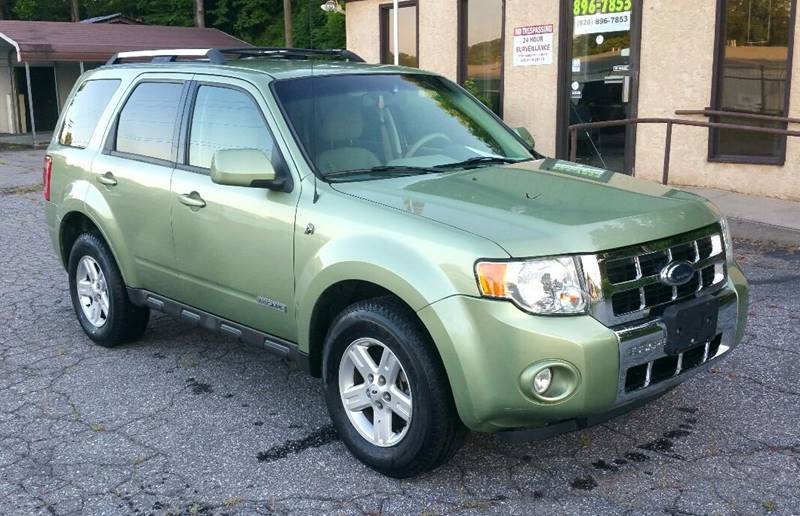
656 371
630 281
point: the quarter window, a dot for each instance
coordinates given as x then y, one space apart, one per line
85 110
225 118
146 124
752 76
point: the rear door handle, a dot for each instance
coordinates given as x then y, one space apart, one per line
107 179
192 200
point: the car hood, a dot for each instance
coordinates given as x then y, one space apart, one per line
543 207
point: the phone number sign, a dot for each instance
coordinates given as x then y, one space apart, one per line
533 45
595 23
594 16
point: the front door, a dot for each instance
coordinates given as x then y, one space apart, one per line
234 245
600 65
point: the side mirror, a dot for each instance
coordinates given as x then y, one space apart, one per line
244 167
526 136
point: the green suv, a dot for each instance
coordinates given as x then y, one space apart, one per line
382 228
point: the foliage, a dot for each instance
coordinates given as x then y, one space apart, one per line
259 22
472 87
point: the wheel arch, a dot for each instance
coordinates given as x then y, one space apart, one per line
333 300
75 223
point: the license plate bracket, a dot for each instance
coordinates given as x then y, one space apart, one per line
690 324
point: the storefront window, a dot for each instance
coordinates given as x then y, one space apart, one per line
752 76
481 52
407 24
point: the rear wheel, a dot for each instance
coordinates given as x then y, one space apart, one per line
99 296
387 391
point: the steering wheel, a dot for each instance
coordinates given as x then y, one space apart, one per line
412 151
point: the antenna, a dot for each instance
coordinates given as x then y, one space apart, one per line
313 97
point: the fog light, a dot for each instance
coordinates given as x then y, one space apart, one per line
542 379
549 381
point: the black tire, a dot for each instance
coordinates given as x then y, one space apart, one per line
435 432
125 322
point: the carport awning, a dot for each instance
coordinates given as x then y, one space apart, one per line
36 41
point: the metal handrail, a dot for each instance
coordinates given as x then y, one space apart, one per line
573 130
737 114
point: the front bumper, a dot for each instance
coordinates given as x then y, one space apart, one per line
492 343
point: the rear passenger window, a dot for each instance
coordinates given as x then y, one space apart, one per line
85 110
225 118
147 122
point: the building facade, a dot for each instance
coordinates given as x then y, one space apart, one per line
42 61
548 65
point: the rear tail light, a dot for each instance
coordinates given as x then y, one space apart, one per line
46 174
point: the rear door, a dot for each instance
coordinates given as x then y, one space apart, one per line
234 245
134 172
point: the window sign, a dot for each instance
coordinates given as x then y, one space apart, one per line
533 45
596 16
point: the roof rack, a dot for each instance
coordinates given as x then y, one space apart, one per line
217 55
292 53
169 55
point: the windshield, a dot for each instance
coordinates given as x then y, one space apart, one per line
379 125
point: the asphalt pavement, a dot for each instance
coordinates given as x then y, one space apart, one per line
190 422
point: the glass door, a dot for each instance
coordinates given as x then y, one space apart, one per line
600 81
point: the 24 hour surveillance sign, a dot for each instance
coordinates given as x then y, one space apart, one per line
533 45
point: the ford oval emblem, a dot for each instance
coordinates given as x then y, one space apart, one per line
677 273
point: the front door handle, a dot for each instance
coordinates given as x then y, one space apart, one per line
107 179
192 200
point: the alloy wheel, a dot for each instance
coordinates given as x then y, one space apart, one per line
92 288
375 392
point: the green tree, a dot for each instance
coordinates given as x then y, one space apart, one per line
259 22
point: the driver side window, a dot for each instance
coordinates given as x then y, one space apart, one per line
226 118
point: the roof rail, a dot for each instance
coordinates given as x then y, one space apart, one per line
217 55
169 55
292 53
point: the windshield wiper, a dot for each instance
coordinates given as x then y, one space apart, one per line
479 160
383 171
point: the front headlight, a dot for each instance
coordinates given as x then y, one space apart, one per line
727 240
540 286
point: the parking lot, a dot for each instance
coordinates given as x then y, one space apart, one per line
190 422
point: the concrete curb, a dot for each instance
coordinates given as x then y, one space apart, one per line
759 231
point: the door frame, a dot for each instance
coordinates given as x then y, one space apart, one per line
384 23
566 25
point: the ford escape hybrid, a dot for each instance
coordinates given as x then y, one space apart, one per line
382 228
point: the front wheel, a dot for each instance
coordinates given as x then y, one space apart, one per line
387 391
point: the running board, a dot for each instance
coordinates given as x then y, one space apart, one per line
276 345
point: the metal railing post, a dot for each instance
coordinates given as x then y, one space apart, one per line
667 148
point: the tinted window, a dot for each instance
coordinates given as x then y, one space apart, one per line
753 75
358 122
85 110
147 122
225 118
482 50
